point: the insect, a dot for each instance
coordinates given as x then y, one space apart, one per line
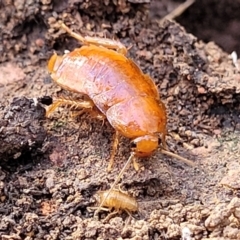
116 89
118 200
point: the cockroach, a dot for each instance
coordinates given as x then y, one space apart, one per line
118 200
117 89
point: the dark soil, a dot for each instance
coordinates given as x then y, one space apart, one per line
52 168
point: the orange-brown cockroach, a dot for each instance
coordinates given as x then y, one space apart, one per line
117 89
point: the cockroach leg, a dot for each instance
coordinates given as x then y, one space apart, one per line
52 108
95 113
114 150
75 114
110 215
128 220
91 209
98 41
72 103
135 164
116 181
164 144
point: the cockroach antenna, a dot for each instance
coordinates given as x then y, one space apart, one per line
174 155
115 182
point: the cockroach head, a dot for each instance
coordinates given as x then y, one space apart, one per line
144 145
98 196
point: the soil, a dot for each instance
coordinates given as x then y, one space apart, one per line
52 168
